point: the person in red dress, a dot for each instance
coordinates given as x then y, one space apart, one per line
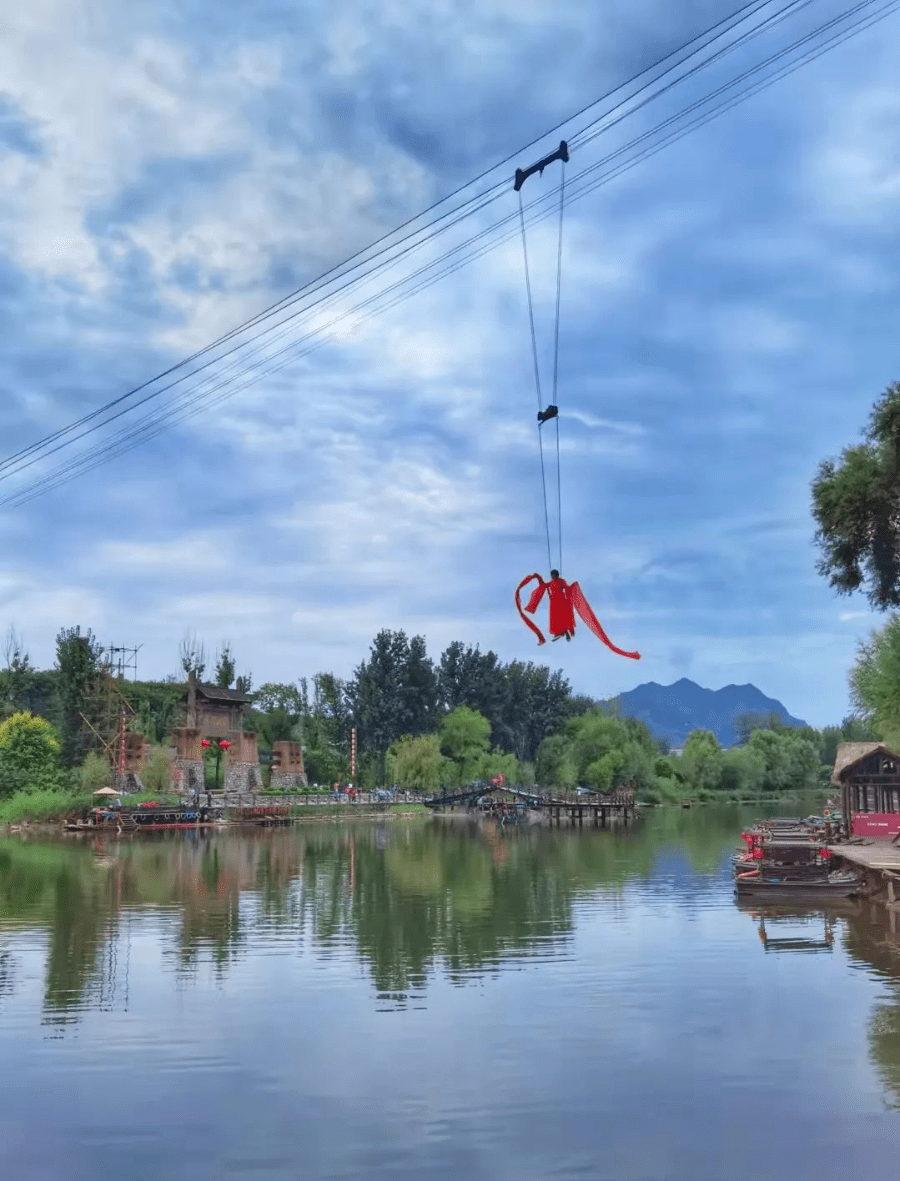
565 600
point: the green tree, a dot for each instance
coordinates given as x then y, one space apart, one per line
95 772
17 678
393 693
556 766
157 775
702 760
79 664
29 755
419 688
225 668
745 724
534 705
417 762
875 681
278 713
464 736
856 505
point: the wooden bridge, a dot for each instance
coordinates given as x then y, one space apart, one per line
595 808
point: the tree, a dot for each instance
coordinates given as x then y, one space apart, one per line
745 724
702 760
29 755
464 736
225 666
95 772
555 765
192 654
79 664
468 676
875 681
326 725
393 693
534 705
278 713
17 678
420 688
417 762
856 505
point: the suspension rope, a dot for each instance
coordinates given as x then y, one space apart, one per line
562 193
537 378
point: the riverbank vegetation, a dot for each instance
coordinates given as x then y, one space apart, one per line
421 724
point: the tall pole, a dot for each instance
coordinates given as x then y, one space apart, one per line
353 756
122 746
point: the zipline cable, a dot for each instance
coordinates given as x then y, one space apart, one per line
537 376
737 16
51 479
559 258
156 393
55 478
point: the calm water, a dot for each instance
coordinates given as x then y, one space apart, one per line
436 1000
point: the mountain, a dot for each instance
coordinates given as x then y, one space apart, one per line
672 711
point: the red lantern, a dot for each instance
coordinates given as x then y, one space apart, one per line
204 742
224 744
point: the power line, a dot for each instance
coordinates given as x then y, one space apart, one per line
737 16
135 437
99 455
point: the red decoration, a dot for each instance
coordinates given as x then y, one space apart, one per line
224 744
565 599
204 742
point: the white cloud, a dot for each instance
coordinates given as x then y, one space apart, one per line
177 556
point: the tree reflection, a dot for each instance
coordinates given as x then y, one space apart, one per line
449 895
869 939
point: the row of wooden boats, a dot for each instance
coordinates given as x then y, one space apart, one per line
789 858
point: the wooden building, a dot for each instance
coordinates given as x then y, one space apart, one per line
868 774
215 712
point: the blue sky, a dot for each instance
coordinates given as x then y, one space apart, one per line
729 315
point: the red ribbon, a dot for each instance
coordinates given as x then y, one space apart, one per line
528 578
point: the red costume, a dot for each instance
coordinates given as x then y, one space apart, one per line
565 600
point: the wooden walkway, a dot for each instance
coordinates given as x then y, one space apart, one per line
878 855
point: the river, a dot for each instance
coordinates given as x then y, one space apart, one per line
434 999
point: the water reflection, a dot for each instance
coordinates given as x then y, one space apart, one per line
408 903
467 895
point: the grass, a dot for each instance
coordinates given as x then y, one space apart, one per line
41 806
149 797
49 806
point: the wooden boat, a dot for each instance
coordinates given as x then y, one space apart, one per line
774 883
686 803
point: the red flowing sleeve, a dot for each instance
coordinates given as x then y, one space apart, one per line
583 607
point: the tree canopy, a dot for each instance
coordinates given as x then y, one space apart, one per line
856 505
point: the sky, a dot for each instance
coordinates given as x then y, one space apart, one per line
728 318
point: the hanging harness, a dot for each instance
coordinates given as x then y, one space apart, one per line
566 599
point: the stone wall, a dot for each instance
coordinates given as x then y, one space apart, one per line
241 777
190 775
288 779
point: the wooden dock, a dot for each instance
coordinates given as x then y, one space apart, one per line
878 855
880 864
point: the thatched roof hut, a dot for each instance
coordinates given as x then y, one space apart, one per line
850 753
868 774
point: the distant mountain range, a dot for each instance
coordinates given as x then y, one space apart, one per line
673 711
